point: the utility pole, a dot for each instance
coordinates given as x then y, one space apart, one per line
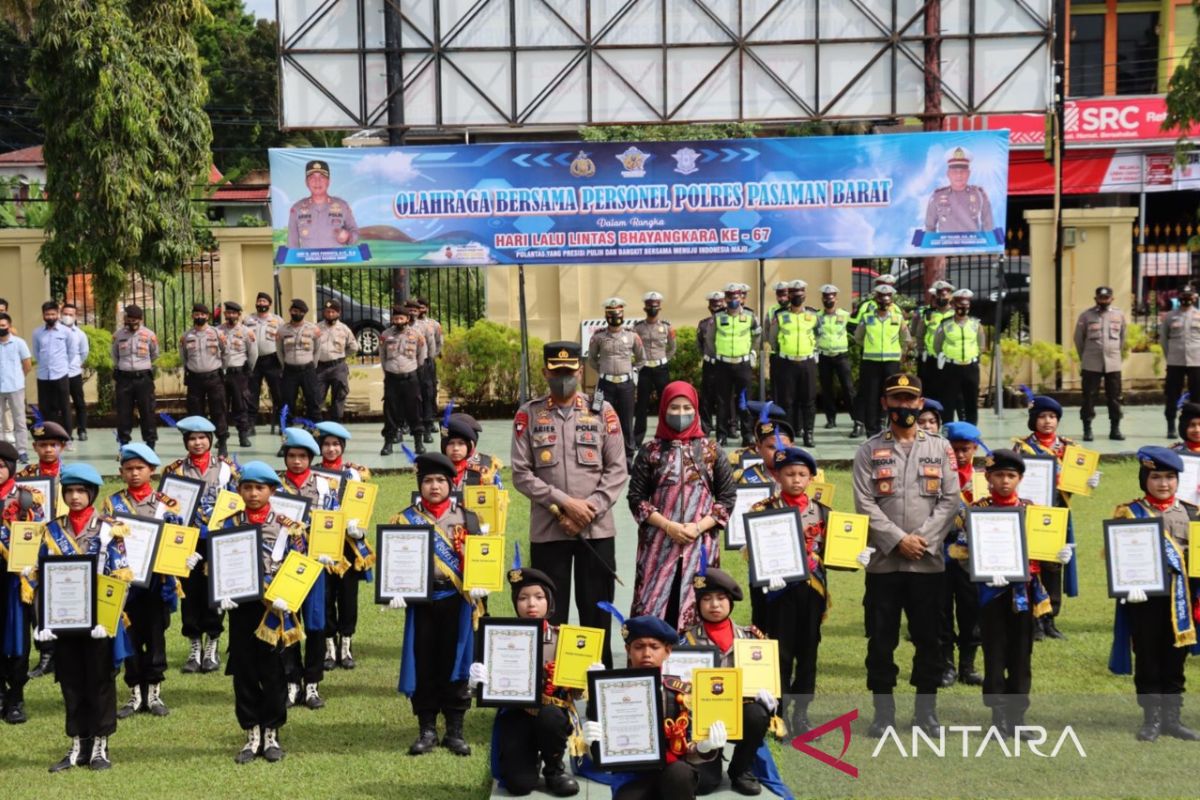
935 266
1056 128
395 112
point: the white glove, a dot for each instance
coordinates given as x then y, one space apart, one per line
397 602
26 571
44 635
716 738
1066 554
193 559
99 632
479 594
478 675
353 531
326 560
228 605
998 582
767 700
941 360
775 585
1094 481
597 667
279 604
592 733
864 557
1136 596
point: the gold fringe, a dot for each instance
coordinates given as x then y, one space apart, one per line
122 574
777 727
576 746
26 591
1042 608
364 563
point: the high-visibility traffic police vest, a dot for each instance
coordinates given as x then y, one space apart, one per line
797 333
734 335
933 319
832 337
881 341
960 343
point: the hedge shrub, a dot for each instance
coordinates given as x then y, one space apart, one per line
481 364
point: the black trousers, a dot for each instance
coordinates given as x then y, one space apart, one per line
871 375
198 617
1007 653
525 741
85 674
427 375
796 390
1157 662
307 666
1176 377
678 780
239 410
135 390
651 383
333 378
931 385
149 617
960 604
755 722
79 406
794 619
829 368
709 392
1052 581
341 603
918 595
401 403
621 397
266 370
54 400
435 644
593 582
300 377
960 391
731 381
259 685
1112 394
206 390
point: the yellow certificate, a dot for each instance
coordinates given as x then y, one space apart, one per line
227 504
1193 550
820 492
491 504
24 543
1077 466
110 602
1045 531
483 566
845 538
578 648
174 546
327 534
979 487
716 695
294 580
358 501
759 662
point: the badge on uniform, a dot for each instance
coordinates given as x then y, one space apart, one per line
520 422
598 401
933 485
884 487
546 455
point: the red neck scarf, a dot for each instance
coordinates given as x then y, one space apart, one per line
258 517
79 519
1159 505
1005 500
140 493
720 633
1046 440
336 466
665 432
51 469
298 480
1192 446
965 473
7 487
438 510
798 502
202 461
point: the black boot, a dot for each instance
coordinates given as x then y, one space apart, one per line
428 436
418 446
885 715
453 740
1172 706
15 713
1151 718
427 739
244 440
223 447
830 424
558 782
857 430
1087 431
808 438
82 435
1000 721
71 758
1114 431
1170 427
1052 631
949 674
925 713
387 448
799 718
966 668
1039 631
45 665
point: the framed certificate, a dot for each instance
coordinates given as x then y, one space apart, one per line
327 534
1189 479
176 544
845 538
45 492
578 648
996 544
110 602
1078 465
358 500
511 652
292 506
1037 486
67 596
776 546
337 481
227 504
717 695
404 563
628 705
687 657
185 491
24 544
142 536
1137 558
747 495
235 565
759 662
483 563
294 580
1046 531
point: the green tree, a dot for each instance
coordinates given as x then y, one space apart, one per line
1183 100
121 98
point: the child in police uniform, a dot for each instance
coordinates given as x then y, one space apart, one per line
1007 611
960 597
1189 429
439 636
930 418
49 439
772 427
1161 629
460 436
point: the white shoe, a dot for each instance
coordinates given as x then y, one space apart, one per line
271 750
154 703
293 694
250 748
212 657
132 705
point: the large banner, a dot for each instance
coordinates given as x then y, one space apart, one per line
577 202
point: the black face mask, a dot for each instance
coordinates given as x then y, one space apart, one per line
615 319
132 326
263 309
829 302
1187 299
962 311
3 333
797 300
785 302
651 311
199 321
230 320
297 316
400 325
903 417
941 301
50 323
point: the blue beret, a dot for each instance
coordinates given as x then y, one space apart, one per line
298 437
333 429
930 404
258 472
80 475
963 432
1042 403
794 455
195 424
140 451
649 627
1160 458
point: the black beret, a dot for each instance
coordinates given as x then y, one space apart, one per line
199 308
717 580
1187 413
399 309
435 464
50 432
232 306
134 312
520 577
649 627
459 428
263 296
1004 458
334 304
300 304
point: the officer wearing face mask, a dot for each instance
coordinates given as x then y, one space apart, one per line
1181 348
793 339
833 345
75 374
706 343
654 373
612 353
959 341
402 351
925 326
736 334
203 349
568 458
297 345
267 368
782 302
134 350
883 337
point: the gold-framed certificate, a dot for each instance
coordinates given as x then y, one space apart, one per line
1046 531
110 602
294 580
717 695
327 534
845 538
24 544
759 661
1078 465
578 648
483 563
176 544
628 705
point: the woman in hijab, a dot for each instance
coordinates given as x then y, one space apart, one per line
681 492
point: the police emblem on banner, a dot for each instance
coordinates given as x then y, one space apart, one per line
685 161
634 161
582 166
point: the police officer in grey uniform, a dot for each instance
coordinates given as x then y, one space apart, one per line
402 351
658 341
959 207
296 345
321 220
333 374
612 353
568 459
431 329
708 364
203 349
1181 347
906 481
134 350
1099 338
240 357
267 368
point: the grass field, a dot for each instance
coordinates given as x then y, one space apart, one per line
356 744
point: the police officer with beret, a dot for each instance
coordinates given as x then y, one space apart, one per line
1099 339
297 351
267 368
654 372
612 353
203 349
906 481
321 220
401 353
333 375
241 354
134 350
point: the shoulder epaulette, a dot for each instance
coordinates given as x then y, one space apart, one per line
676 685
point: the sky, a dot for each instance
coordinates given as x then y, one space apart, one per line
261 8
